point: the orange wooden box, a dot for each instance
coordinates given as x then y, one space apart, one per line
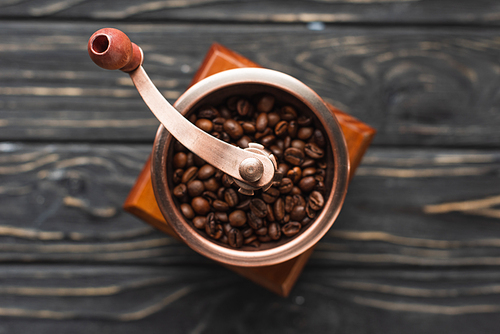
278 278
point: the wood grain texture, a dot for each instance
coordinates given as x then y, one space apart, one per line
483 12
416 86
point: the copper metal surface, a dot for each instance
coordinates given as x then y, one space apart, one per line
214 90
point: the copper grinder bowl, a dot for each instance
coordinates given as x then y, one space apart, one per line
214 90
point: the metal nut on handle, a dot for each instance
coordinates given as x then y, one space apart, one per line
251 169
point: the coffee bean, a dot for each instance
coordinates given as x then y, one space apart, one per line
320 186
195 188
205 124
244 205
189 160
224 239
232 102
180 160
266 103
276 151
310 171
233 129
250 239
316 201
293 127
297 143
298 213
270 213
249 128
210 225
178 147
189 174
304 120
305 133
270 195
264 238
279 209
235 238
231 197
261 231
289 204
288 113
258 207
308 163
199 222
283 168
281 128
244 141
237 218
299 200
206 171
266 132
307 184
294 174
291 229
243 107
219 205
222 217
180 190
254 221
294 156
285 186
310 212
272 119
210 196
218 124
200 205
208 112
247 231
227 181
274 231
314 151
287 142
211 184
286 219
177 177
296 191
261 122
267 140
319 138
187 211
305 221
227 227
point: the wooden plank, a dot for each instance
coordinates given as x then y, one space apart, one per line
329 11
416 86
410 208
128 299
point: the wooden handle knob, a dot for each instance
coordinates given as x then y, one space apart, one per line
111 49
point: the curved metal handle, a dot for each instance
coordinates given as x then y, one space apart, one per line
252 168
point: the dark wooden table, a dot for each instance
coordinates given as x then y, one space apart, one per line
416 248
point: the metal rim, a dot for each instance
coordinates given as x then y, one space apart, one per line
323 221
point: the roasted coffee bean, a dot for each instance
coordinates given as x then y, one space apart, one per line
305 133
289 204
246 231
261 122
244 205
296 191
310 212
244 141
178 147
222 217
195 188
243 107
232 102
254 244
261 231
281 129
225 137
267 140
276 151
293 127
294 174
189 174
265 103
298 213
177 177
305 221
270 213
319 138
219 205
224 239
299 200
270 195
294 156
190 160
231 197
208 112
314 151
288 113
200 205
297 143
233 129
210 196
304 120
199 222
266 132
307 184
210 225
180 190
310 171
274 231
264 238
316 201
193 118
287 142
235 238
283 168
249 239
286 219
279 209
205 124
272 119
285 186
180 160
249 128
291 229
187 211
258 207
206 171
237 218
227 180
211 184
218 124
308 163
254 221
320 186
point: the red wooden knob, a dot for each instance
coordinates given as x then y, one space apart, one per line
111 49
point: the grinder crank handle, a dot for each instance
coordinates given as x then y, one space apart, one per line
251 168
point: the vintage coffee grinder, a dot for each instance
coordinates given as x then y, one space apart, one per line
252 169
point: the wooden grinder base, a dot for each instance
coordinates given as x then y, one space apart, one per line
278 278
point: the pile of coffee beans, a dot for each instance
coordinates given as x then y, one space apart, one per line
211 201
